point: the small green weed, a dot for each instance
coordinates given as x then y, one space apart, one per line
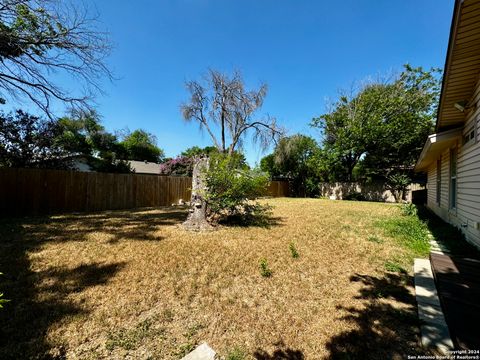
409 209
236 354
168 315
193 330
264 269
375 239
184 349
2 301
130 339
293 250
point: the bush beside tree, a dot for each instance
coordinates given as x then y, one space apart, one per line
232 189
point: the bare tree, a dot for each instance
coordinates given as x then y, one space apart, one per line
41 39
226 110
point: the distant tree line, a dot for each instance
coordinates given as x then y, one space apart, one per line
31 141
28 141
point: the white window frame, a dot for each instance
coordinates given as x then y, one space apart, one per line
472 140
438 194
453 184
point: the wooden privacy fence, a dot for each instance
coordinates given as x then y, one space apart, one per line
278 188
39 191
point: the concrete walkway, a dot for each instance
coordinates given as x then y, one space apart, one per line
434 329
201 352
437 247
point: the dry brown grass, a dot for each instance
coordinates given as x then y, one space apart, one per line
133 284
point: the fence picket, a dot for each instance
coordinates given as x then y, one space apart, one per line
40 191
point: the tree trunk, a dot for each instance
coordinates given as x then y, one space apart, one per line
197 218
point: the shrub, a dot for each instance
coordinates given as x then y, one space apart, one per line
397 184
232 189
264 269
409 209
355 196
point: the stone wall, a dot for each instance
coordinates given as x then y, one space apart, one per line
371 192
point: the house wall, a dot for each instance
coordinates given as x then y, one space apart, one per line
466 216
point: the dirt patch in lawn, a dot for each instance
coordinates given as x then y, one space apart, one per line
132 283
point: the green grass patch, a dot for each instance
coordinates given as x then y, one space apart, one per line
130 339
447 234
409 232
394 266
236 354
184 349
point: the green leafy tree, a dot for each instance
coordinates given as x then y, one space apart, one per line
84 135
41 37
296 158
381 128
269 166
142 146
198 151
30 141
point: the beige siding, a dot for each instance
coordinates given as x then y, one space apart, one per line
432 186
468 190
445 179
442 208
466 216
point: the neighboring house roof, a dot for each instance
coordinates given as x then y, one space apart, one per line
461 74
145 167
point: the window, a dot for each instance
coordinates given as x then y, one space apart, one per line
439 180
453 178
469 136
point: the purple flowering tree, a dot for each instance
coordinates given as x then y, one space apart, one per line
179 166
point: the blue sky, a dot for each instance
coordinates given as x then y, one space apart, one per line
306 51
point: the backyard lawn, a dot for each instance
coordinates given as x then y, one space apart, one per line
132 284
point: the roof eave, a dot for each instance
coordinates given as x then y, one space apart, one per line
435 145
453 29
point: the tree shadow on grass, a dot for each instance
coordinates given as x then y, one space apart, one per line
134 225
381 330
39 299
281 352
266 222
